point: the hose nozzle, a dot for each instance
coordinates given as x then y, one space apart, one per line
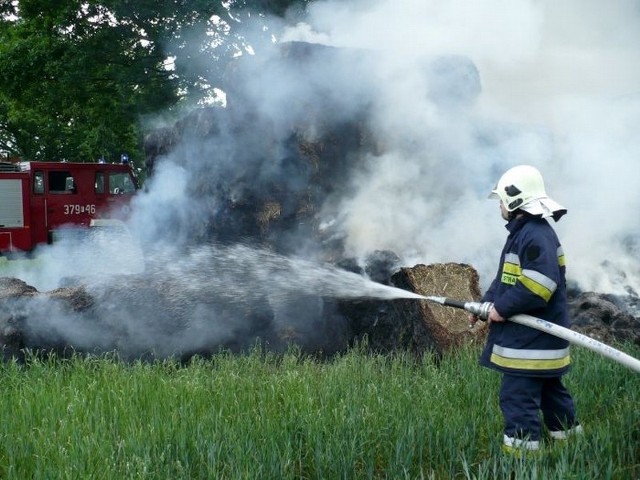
480 309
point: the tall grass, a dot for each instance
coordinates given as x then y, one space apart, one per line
290 417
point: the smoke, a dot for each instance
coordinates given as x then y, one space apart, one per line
102 251
559 91
454 94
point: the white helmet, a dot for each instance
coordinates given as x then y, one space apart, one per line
522 187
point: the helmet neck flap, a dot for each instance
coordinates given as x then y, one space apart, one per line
522 187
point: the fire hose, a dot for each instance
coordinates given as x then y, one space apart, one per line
481 310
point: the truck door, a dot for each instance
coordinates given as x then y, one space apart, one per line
39 214
62 204
122 187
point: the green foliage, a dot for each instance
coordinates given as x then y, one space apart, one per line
286 416
77 78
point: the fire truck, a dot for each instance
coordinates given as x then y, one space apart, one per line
39 200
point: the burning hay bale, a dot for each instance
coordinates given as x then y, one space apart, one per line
264 189
254 177
419 326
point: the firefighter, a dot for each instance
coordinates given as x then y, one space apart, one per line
530 280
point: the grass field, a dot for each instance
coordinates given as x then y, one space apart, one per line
286 417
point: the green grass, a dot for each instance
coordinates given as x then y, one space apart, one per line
287 417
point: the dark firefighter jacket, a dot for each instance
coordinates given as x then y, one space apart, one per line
530 280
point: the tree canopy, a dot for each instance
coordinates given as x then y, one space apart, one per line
77 77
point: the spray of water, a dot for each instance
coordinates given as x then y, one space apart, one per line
207 297
241 273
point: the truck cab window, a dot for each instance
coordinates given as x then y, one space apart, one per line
61 182
120 183
38 182
99 185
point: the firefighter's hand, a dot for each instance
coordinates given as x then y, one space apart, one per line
473 319
494 316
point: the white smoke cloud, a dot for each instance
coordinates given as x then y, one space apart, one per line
500 30
560 90
153 209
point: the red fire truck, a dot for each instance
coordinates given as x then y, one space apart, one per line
40 199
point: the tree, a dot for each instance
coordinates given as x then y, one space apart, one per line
77 77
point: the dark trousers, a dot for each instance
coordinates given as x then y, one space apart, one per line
522 398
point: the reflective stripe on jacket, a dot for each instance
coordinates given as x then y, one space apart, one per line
530 280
